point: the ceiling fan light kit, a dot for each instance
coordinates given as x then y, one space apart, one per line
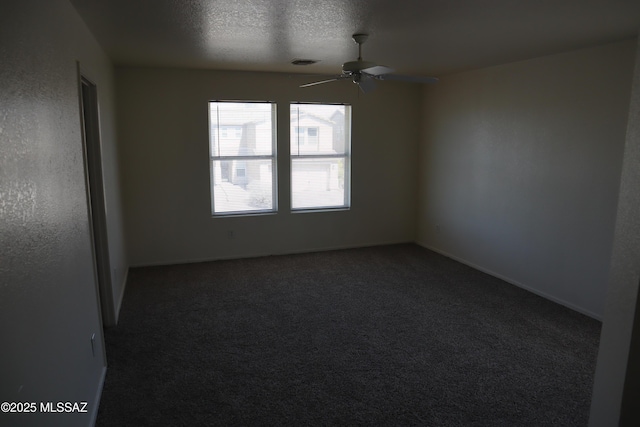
364 73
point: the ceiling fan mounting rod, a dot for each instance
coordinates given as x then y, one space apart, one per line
360 38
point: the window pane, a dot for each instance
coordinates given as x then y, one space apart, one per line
317 182
318 129
241 129
241 186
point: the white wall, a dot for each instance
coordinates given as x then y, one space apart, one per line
48 296
162 115
520 167
618 363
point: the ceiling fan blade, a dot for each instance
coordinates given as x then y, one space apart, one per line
412 79
378 70
367 84
340 77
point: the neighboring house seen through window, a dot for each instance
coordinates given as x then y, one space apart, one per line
242 148
320 156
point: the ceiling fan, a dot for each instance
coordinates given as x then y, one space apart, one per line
365 73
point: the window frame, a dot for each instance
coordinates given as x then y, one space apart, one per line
242 158
346 157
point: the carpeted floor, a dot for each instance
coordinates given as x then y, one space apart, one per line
389 335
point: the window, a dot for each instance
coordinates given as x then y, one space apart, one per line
320 156
242 148
307 137
230 132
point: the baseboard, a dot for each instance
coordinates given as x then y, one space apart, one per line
121 297
513 282
270 253
98 396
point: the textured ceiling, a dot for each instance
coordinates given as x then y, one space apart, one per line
424 37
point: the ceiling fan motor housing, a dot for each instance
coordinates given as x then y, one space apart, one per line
352 67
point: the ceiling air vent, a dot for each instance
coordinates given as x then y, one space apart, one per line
303 61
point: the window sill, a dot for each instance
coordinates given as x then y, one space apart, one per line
320 210
243 214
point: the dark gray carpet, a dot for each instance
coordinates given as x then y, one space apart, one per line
390 335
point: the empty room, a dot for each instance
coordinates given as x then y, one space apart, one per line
319 213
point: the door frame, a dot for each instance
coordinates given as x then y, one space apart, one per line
96 204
